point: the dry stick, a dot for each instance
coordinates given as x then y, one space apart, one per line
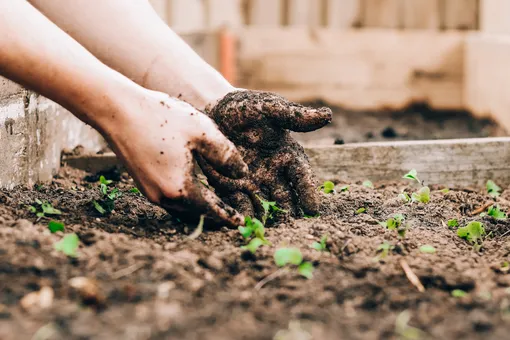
271 277
127 271
481 209
412 276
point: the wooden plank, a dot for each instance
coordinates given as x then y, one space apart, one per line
494 16
186 16
460 14
460 162
421 14
454 162
223 13
267 13
383 13
343 13
297 12
403 67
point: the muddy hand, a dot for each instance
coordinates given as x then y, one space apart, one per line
159 143
258 123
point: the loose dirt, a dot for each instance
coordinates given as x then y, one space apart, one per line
145 279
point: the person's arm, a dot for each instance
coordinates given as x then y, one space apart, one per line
156 136
130 37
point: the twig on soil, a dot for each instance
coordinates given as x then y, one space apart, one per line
127 271
200 227
271 277
481 209
412 276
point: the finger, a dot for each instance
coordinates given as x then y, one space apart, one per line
220 152
303 181
296 117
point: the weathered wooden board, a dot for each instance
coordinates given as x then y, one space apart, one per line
343 13
266 13
456 162
382 13
460 14
460 162
223 13
421 14
346 67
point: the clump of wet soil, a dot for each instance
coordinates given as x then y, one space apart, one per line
152 282
415 122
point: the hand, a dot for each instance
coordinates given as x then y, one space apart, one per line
258 124
158 139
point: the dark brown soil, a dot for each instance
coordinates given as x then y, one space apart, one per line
416 122
152 282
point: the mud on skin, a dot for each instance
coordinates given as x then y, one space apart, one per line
259 124
158 284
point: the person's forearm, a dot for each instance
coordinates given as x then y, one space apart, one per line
36 53
131 38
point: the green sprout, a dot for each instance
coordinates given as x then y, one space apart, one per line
321 246
253 245
404 196
311 216
422 195
405 331
293 256
427 249
104 181
45 209
344 188
360 211
107 203
493 189
495 212
68 245
474 233
383 250
55 226
452 223
393 222
135 191
368 184
412 175
458 293
270 208
253 228
328 187
445 190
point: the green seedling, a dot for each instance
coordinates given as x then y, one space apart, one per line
405 331
55 226
68 245
360 211
383 250
254 229
505 267
368 184
495 212
458 293
474 233
310 216
344 188
412 175
253 245
107 203
393 222
103 180
135 191
293 256
198 230
493 189
328 187
427 249
404 196
321 246
445 190
422 195
453 223
45 209
270 208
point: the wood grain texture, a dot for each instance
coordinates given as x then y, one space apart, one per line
343 13
266 13
223 13
460 14
383 13
454 162
421 14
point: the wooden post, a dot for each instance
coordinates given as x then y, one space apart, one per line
421 14
383 13
223 13
343 13
460 14
265 13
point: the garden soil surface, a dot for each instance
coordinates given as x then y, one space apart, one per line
139 275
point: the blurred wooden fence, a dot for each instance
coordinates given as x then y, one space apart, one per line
195 15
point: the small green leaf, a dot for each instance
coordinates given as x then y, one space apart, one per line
317 246
384 224
320 246
404 197
135 191
458 293
245 231
38 201
495 212
55 226
344 188
328 187
412 175
422 195
284 256
40 214
104 181
445 190
310 216
253 245
473 232
32 209
306 269
49 210
428 249
453 223
68 245
360 211
99 208
103 189
493 189
391 224
368 184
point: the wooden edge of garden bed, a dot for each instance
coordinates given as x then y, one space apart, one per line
453 162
